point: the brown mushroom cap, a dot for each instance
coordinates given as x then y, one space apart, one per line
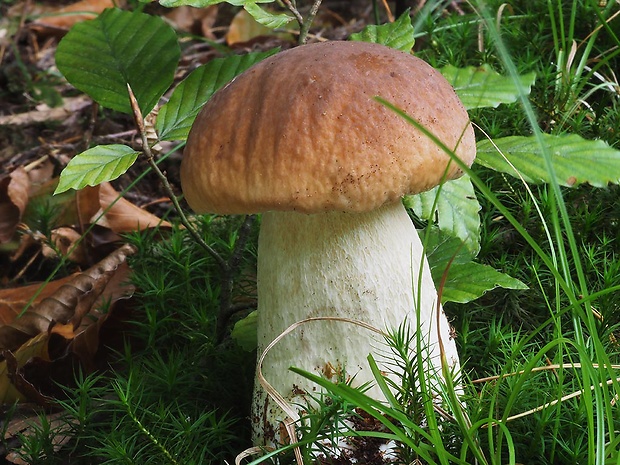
302 131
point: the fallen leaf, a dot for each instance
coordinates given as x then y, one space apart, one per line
198 21
86 341
64 17
75 296
244 28
13 300
121 215
45 113
68 243
35 347
13 201
63 313
87 204
19 382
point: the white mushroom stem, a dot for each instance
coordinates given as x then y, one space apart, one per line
362 266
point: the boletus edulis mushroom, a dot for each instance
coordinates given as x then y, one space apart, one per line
301 138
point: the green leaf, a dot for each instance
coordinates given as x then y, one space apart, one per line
398 35
575 160
244 332
483 87
457 210
177 116
266 18
96 165
466 280
443 248
100 57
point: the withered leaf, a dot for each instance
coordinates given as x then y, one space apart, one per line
25 388
13 300
122 215
86 329
73 297
67 242
244 28
65 17
35 347
13 201
70 106
63 313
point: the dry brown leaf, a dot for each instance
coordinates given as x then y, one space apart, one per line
40 171
194 20
68 243
244 28
74 296
12 301
62 313
86 342
123 216
16 377
64 17
35 347
45 113
87 204
13 200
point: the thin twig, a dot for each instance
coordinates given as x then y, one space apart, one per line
139 120
88 134
305 26
295 12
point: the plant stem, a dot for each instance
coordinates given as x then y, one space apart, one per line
304 24
139 120
295 12
305 27
150 436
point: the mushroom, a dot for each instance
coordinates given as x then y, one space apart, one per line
301 138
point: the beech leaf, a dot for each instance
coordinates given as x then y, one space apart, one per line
466 280
121 215
398 35
72 297
456 210
94 166
64 17
267 18
177 116
575 160
9 385
483 87
13 201
100 57
62 308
